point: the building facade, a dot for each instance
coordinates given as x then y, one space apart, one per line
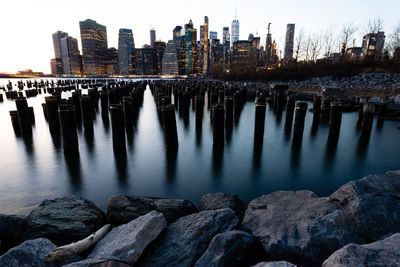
57 62
206 50
152 37
126 47
170 63
159 48
94 47
244 57
289 43
145 61
70 56
235 31
372 46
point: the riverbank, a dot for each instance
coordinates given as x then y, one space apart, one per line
293 226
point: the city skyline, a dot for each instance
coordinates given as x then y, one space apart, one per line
34 48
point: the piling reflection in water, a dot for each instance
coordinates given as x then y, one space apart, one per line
217 158
121 164
171 155
73 164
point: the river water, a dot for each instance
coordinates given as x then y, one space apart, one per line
33 169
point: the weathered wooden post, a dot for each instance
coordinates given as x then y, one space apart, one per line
301 111
52 113
66 113
368 118
170 130
87 113
218 123
229 110
291 102
1 98
261 106
335 119
15 122
118 127
24 115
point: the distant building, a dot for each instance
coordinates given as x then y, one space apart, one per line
112 66
255 42
268 48
206 50
145 61
170 64
94 47
226 36
372 46
70 56
202 34
53 67
217 56
159 48
235 31
244 57
189 55
213 35
126 46
274 54
353 54
289 43
250 38
152 37
57 62
177 37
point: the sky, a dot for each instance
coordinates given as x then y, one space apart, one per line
26 26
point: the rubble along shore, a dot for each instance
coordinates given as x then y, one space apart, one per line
358 223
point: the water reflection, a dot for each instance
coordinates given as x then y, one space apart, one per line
121 164
315 125
257 154
217 159
171 155
331 146
362 147
73 164
296 152
106 121
90 142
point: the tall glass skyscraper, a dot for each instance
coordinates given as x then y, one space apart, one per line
126 46
57 36
235 31
152 37
289 43
94 47
70 56
226 36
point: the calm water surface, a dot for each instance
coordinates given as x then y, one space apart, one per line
32 169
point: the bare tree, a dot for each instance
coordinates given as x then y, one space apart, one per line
299 43
306 48
374 25
347 32
315 46
327 40
394 41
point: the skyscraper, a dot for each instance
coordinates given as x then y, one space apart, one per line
206 51
268 47
226 36
177 36
57 36
289 43
213 35
170 60
94 47
235 30
70 56
159 47
152 36
126 46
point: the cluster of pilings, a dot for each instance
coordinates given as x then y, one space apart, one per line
64 116
225 103
23 118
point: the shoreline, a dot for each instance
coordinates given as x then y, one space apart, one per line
363 201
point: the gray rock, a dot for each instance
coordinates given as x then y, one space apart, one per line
31 253
232 248
127 242
90 262
372 204
123 209
381 253
298 226
220 201
274 264
64 220
185 240
12 229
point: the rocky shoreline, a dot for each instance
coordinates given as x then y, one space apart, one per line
357 225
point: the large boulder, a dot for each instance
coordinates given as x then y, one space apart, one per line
64 220
298 226
216 201
385 252
31 253
372 204
232 248
185 240
123 209
95 262
274 264
127 242
12 229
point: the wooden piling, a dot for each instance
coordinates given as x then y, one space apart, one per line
170 130
218 123
66 113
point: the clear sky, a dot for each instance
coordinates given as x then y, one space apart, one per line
26 26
